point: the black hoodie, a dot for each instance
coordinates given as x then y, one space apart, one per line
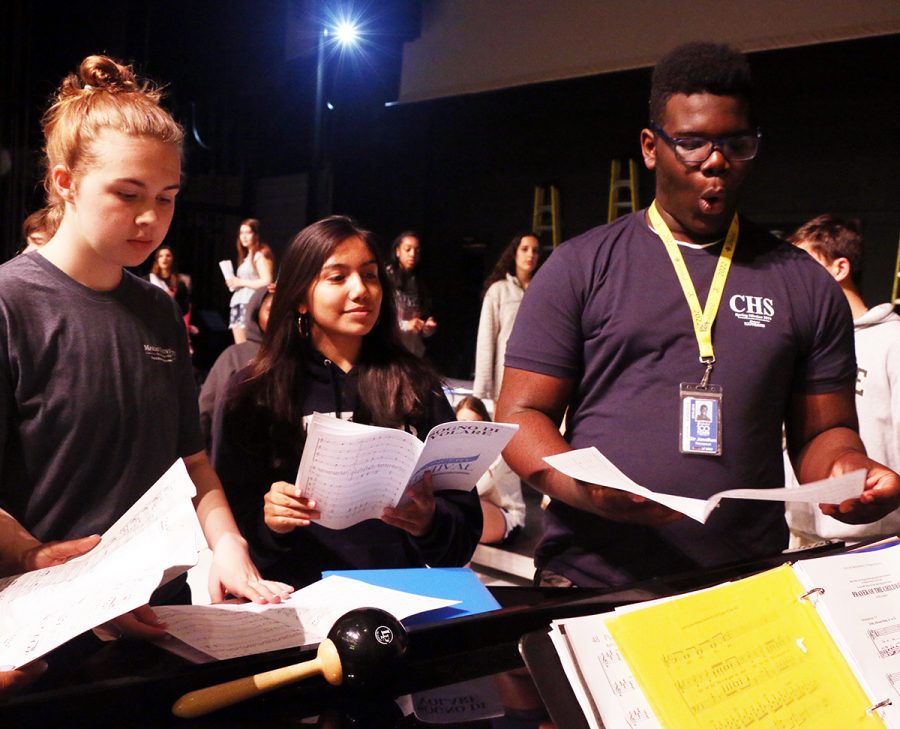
298 558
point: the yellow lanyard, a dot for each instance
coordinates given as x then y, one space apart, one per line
702 318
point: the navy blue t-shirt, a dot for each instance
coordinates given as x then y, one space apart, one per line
606 311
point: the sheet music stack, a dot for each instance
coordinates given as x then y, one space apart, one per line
815 644
354 471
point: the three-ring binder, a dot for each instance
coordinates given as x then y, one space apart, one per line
812 591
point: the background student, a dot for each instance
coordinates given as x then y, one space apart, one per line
332 346
837 244
503 292
38 228
499 489
255 270
234 358
164 274
411 297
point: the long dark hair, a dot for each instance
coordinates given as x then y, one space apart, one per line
156 270
394 386
507 261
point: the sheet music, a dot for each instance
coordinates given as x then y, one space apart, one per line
574 676
614 689
230 630
601 678
861 607
591 466
41 610
747 650
354 471
712 657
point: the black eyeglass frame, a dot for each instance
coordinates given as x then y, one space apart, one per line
720 143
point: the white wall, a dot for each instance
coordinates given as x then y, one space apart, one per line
468 46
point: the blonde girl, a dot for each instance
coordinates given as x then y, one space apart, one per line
97 396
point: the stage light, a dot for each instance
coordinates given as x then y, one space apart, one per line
343 36
347 33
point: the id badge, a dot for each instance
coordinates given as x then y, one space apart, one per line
701 419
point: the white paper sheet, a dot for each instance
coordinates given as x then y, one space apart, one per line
861 607
613 689
227 269
575 676
600 676
354 471
591 466
41 610
230 630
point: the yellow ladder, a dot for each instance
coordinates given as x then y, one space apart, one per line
896 278
617 183
542 208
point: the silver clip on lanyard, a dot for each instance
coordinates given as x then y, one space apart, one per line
709 362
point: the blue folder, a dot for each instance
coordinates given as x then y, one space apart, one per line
450 583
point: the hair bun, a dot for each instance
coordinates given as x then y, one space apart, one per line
102 72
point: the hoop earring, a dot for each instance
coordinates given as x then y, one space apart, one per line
303 325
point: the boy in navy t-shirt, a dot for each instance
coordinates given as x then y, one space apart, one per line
619 328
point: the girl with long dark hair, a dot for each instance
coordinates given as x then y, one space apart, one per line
503 292
332 346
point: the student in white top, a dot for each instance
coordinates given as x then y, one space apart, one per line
503 292
838 246
255 270
499 489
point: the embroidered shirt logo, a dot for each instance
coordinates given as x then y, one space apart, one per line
159 354
754 311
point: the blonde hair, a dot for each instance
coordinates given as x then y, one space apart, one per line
104 94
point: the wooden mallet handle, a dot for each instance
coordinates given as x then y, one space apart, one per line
200 702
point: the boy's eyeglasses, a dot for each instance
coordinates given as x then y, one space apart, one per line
696 150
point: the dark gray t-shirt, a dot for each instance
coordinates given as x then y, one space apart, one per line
606 311
97 397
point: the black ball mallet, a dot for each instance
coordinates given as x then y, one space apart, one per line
362 651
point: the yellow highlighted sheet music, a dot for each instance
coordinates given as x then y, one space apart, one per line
749 653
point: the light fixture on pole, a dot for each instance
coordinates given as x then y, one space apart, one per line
345 33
